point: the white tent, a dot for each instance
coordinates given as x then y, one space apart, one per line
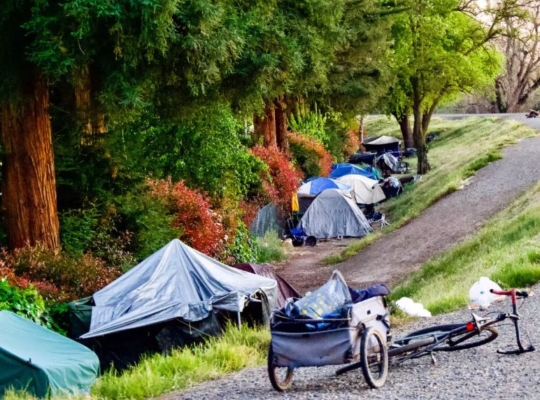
381 140
333 214
365 190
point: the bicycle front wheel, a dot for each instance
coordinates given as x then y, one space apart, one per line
462 339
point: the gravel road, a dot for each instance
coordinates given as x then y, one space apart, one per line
478 373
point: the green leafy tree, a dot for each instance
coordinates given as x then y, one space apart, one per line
108 60
439 52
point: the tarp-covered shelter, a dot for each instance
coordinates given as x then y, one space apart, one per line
267 219
348 169
365 191
333 214
41 361
173 296
381 144
285 290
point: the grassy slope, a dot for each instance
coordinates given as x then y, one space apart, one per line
464 147
507 250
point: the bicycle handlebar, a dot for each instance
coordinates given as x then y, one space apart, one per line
511 292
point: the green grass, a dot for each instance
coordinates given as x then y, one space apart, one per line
507 250
155 375
463 147
270 248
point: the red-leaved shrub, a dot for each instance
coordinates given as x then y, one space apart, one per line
282 179
55 275
351 143
201 226
310 155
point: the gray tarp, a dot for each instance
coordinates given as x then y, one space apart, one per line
333 214
266 220
175 282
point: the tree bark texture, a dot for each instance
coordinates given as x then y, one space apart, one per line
92 121
281 126
406 131
265 127
29 185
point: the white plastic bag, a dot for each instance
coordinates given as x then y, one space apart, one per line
480 295
409 307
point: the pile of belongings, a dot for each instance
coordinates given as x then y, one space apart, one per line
333 300
392 187
42 362
391 164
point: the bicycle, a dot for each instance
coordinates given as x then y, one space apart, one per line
453 337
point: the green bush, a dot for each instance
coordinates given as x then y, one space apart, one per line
243 248
27 303
310 155
270 248
309 123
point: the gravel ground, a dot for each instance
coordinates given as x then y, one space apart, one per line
478 373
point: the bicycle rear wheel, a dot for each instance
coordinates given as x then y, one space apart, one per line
460 340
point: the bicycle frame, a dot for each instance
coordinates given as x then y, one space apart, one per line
464 333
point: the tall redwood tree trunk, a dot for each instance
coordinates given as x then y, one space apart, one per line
29 185
281 126
265 126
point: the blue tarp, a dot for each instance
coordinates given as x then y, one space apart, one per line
318 185
347 169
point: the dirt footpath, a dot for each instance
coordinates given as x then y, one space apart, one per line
447 222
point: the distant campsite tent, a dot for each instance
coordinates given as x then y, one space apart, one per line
172 297
347 169
318 185
365 190
266 220
42 362
381 144
285 290
333 214
311 189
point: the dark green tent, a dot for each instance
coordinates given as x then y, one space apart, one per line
42 362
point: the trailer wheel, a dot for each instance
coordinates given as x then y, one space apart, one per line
280 377
373 358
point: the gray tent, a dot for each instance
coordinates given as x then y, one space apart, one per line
334 214
175 282
174 297
266 220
